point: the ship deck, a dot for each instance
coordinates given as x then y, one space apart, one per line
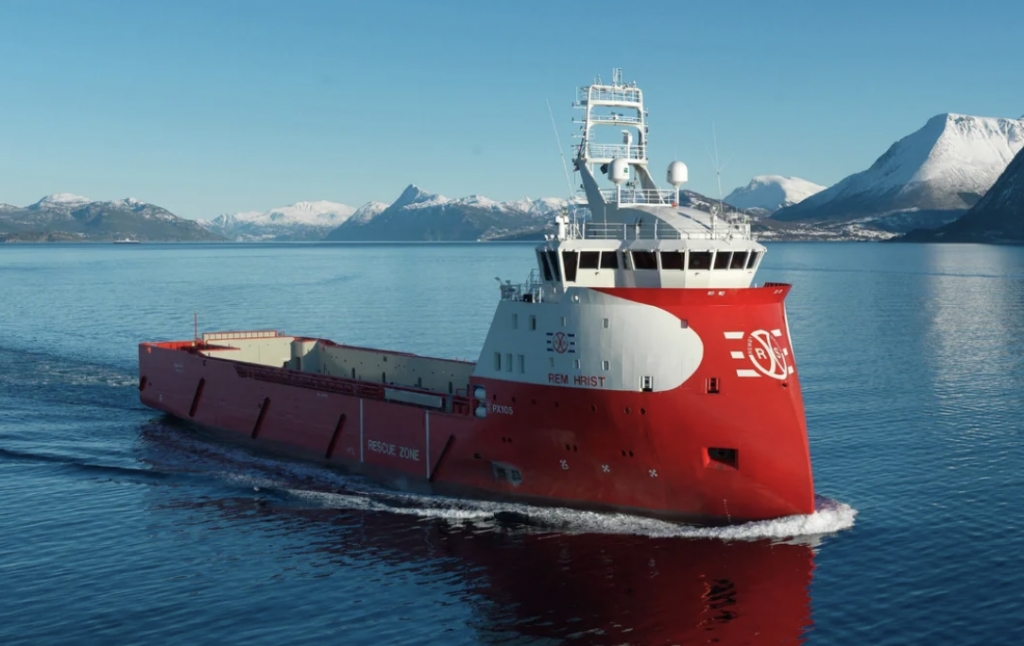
322 364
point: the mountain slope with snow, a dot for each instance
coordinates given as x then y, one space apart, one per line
769 193
998 217
62 216
927 178
299 221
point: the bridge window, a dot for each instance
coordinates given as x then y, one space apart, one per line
753 259
722 259
542 258
739 260
589 259
553 261
570 258
644 259
672 260
700 260
609 260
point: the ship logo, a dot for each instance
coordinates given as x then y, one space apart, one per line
561 342
765 351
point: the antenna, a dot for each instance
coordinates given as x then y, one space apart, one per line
558 141
718 172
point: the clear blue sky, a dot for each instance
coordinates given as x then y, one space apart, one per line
221 106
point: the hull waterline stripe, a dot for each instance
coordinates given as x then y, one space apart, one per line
195 398
440 459
259 418
334 438
734 335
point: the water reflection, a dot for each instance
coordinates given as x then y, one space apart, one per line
539 585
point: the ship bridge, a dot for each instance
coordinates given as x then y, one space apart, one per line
633 233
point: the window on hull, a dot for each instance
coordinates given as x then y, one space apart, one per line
728 457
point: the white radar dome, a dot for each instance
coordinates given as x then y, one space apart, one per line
678 174
618 171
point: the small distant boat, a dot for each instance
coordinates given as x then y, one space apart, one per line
127 241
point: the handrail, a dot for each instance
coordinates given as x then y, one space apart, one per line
631 195
612 151
615 94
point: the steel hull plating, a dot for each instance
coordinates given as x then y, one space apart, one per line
657 453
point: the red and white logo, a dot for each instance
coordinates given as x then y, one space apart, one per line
766 351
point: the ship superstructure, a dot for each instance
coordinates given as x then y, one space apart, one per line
638 367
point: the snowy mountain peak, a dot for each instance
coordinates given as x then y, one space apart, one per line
772 192
65 199
415 196
946 165
306 220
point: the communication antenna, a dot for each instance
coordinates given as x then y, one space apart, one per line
565 167
718 173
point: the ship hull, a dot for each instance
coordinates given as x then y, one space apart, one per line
638 452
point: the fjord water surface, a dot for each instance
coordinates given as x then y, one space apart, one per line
120 526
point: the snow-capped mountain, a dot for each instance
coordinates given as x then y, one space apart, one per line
299 221
421 215
928 178
368 211
63 216
769 193
998 217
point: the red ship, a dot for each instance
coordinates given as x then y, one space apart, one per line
637 369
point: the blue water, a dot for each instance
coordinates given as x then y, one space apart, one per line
120 526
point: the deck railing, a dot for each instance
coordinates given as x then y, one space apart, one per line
614 94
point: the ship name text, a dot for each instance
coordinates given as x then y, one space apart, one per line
590 381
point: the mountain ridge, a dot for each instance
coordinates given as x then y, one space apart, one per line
304 220
63 216
928 177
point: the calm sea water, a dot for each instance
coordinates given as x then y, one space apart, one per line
120 526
